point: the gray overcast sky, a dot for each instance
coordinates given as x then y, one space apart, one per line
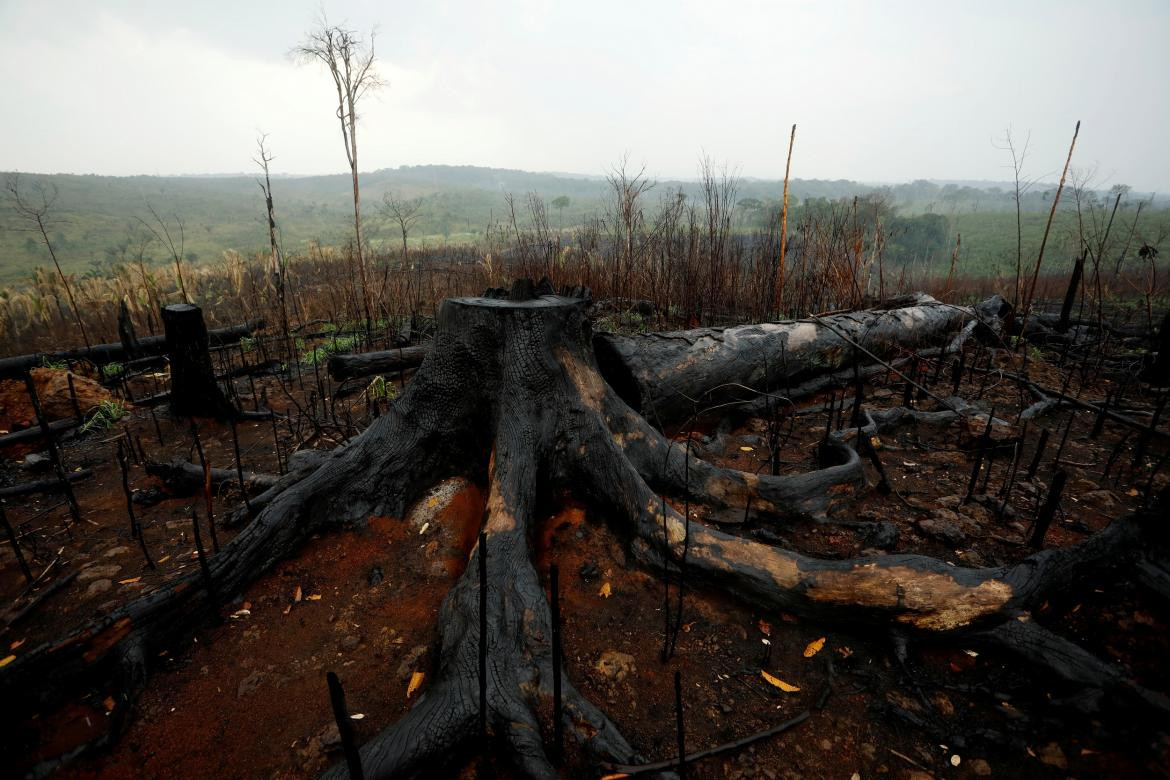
881 91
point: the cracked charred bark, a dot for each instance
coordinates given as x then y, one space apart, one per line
511 395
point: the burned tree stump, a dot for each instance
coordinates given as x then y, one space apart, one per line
194 392
1158 373
511 397
126 333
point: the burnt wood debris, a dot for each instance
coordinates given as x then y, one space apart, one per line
516 391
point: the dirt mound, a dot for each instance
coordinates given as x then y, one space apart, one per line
52 385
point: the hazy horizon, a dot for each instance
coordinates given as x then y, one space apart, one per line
881 93
600 177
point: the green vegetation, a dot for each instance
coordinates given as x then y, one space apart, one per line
105 415
380 388
98 220
321 354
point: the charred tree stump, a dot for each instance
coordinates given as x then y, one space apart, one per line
1070 295
126 333
511 396
1158 373
194 391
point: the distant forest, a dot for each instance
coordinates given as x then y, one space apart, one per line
101 221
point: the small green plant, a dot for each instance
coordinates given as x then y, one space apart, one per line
112 370
105 415
247 343
59 365
322 353
379 388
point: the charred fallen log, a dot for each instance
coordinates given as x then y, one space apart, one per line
351 366
667 377
183 478
107 353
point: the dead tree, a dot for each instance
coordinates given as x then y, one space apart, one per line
168 239
278 266
194 391
350 366
405 212
668 376
101 354
37 214
351 64
511 397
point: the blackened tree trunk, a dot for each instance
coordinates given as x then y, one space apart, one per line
1159 372
668 377
1070 295
126 332
194 391
351 366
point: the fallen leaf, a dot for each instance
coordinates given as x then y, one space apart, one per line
7 660
416 681
746 449
687 626
844 652
606 591
130 581
298 595
16 644
315 597
163 559
109 703
424 528
765 629
617 776
1132 493
875 442
287 610
357 716
814 647
786 687
239 613
247 605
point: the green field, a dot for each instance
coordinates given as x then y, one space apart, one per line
99 221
